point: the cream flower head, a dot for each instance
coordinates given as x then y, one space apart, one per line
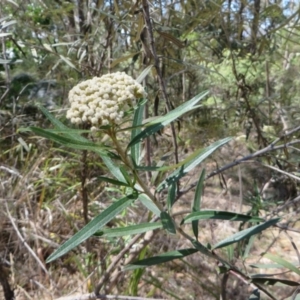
99 101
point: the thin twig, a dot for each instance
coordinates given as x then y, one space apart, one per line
24 242
114 264
148 23
258 153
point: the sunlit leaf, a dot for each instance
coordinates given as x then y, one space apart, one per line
148 203
143 75
160 122
191 162
279 260
68 62
129 230
246 233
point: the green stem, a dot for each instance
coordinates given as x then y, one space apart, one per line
128 163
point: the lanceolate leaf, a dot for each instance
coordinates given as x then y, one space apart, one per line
143 75
273 281
113 181
160 122
69 142
126 175
165 257
171 195
191 162
197 201
246 233
137 120
219 215
282 262
92 227
167 222
77 137
149 204
129 230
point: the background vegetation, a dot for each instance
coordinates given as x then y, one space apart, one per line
245 53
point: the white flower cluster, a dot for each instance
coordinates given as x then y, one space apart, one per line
99 101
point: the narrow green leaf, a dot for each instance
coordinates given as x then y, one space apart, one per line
191 162
148 203
219 215
52 119
113 181
283 262
107 161
230 252
149 168
246 233
126 175
266 266
129 230
99 221
162 258
143 75
157 174
160 122
274 281
69 142
197 202
68 62
135 150
114 170
171 195
167 222
248 247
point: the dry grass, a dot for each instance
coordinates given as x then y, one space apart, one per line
41 208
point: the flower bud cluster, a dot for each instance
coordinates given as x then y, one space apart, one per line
99 101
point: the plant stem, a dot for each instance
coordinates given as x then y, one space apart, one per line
128 163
